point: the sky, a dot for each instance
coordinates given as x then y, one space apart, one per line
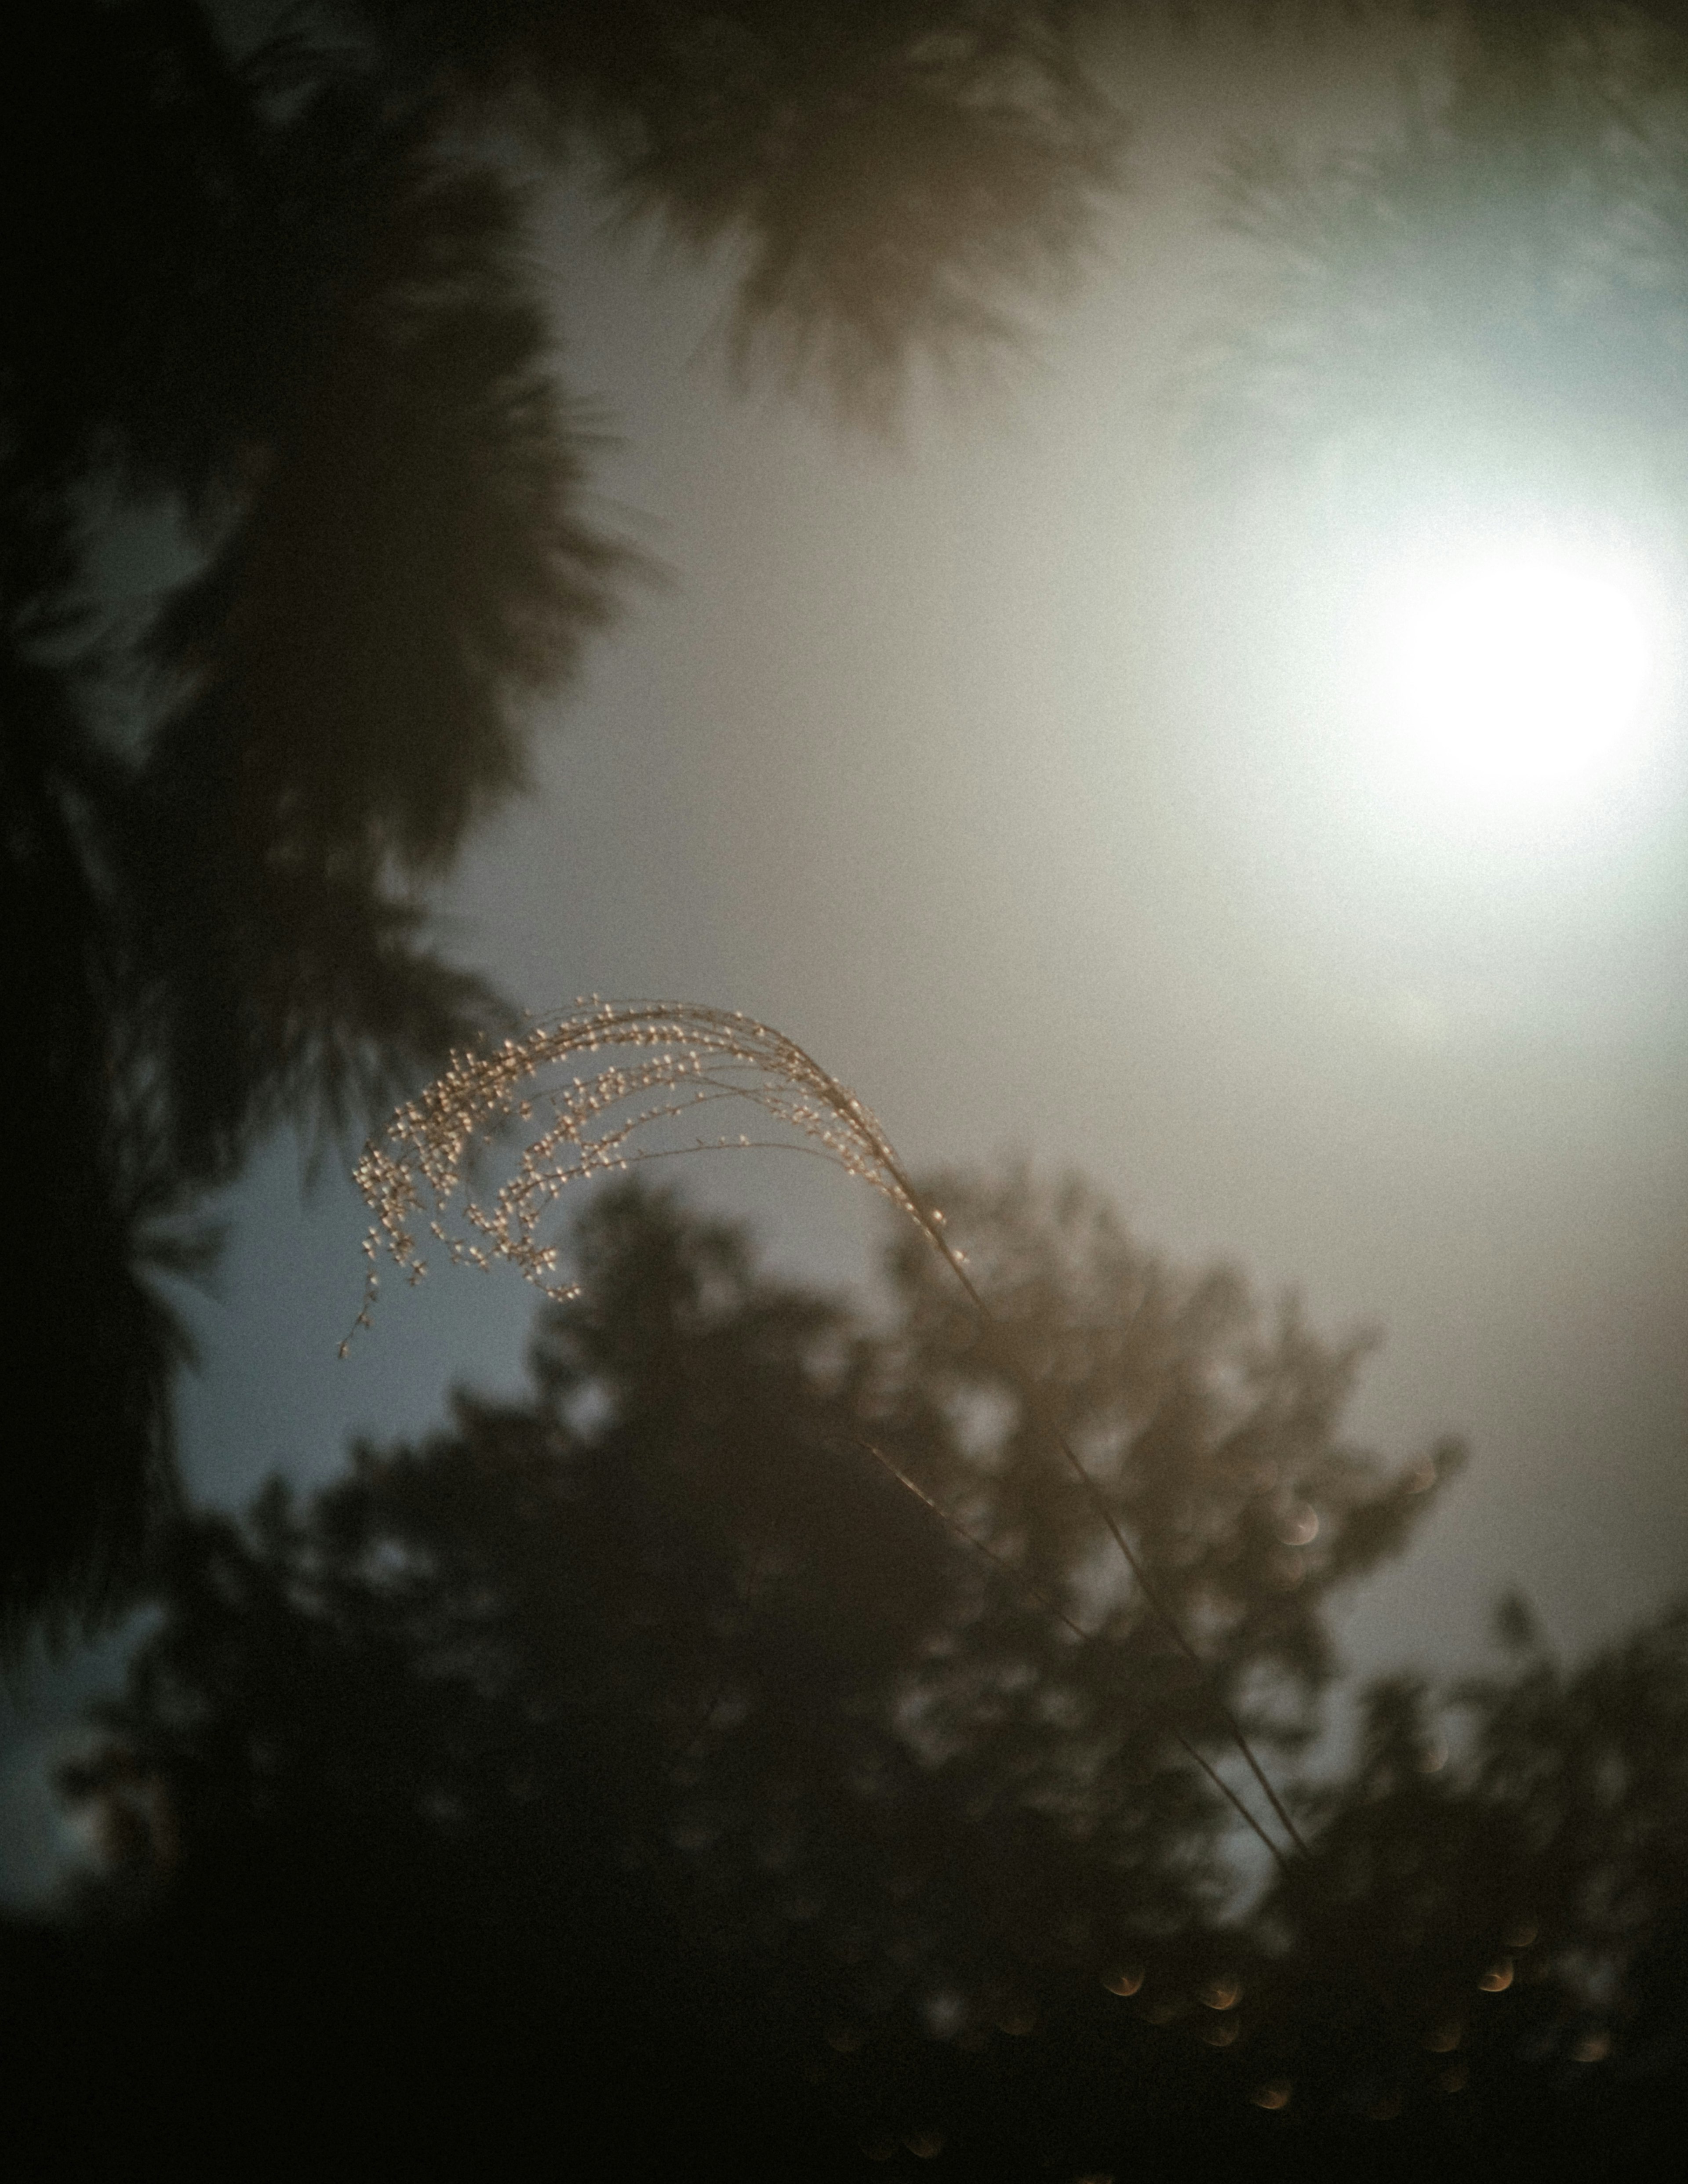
1028 776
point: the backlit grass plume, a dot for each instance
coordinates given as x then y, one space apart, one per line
662 1062
650 1067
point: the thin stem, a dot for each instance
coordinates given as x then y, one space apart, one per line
1041 1601
1169 1621
679 1047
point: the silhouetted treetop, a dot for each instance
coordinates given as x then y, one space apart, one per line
648 1716
678 1583
1213 1424
1499 1873
890 176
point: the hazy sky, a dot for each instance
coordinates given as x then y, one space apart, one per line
1029 789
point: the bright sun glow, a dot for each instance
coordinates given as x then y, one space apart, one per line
1517 676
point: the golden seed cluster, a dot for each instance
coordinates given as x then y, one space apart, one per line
664 1060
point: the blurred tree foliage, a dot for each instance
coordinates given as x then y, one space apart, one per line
1504 1867
642 1767
267 305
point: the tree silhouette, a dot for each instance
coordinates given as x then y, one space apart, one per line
269 293
652 1716
1504 1866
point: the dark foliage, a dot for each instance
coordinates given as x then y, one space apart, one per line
640 1770
271 292
680 1576
890 173
81 1314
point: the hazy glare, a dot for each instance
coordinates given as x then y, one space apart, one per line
1012 776
1027 783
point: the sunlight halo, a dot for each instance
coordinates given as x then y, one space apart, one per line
1510 677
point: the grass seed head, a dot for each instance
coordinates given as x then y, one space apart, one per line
654 1063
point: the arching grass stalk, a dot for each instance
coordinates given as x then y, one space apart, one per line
1041 1601
678 1059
